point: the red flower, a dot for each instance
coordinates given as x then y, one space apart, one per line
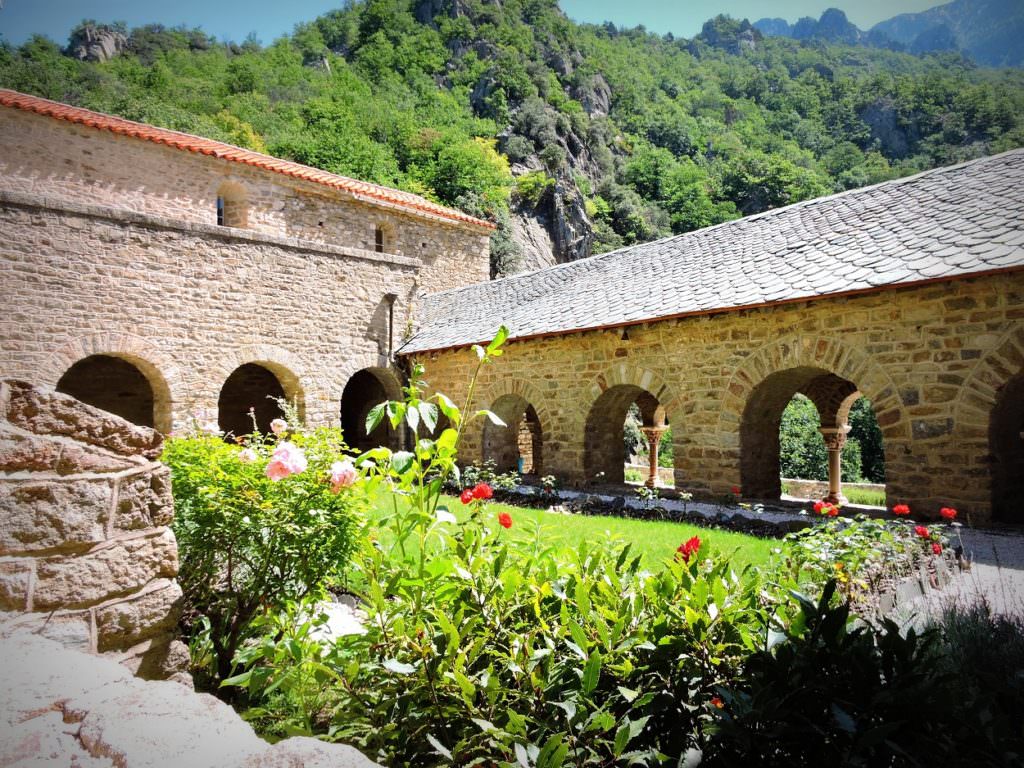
921 531
818 506
937 548
735 490
948 513
832 510
505 520
901 509
716 702
688 548
466 496
482 491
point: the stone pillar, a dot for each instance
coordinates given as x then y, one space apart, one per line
835 439
653 435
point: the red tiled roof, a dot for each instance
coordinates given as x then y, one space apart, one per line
372 193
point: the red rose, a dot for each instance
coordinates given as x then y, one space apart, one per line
735 490
948 513
716 702
505 520
832 510
937 548
466 496
818 506
482 491
901 509
921 531
688 548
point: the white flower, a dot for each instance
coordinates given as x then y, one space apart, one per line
279 426
212 428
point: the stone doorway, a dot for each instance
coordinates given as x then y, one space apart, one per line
518 446
604 459
365 389
1006 445
249 394
112 384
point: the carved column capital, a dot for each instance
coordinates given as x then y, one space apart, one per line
835 437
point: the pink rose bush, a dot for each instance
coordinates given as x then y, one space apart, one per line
287 459
343 474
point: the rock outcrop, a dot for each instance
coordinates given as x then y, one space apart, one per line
96 43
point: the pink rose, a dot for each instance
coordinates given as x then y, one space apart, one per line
247 456
343 474
279 426
288 459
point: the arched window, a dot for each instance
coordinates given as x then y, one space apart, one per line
232 206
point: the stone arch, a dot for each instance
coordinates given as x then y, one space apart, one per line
248 398
363 390
613 391
990 417
521 439
232 205
836 375
160 371
286 367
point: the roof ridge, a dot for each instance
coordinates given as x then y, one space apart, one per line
363 190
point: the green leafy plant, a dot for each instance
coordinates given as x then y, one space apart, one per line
255 531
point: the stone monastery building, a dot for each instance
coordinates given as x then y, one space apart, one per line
167 277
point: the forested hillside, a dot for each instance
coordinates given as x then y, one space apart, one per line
575 138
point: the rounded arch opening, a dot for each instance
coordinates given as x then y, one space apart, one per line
519 445
367 388
232 205
622 419
251 393
1006 447
120 386
798 423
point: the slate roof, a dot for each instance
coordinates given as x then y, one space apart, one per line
361 190
944 223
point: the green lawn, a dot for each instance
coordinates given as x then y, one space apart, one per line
656 541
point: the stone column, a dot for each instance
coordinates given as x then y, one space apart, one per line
835 439
653 435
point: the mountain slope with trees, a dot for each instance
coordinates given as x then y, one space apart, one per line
574 138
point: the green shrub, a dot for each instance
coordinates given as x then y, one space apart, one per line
531 187
250 544
835 693
485 646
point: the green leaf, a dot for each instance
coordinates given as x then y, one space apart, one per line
375 416
591 672
494 348
628 694
621 739
494 418
521 756
428 412
402 461
241 680
441 749
412 418
398 667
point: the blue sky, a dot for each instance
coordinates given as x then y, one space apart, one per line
234 19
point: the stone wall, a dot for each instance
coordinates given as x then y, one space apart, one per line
86 554
72 163
934 360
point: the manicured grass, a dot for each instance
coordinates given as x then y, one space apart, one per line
864 496
655 541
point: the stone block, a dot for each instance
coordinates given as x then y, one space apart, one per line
144 501
72 629
124 624
15 575
161 658
306 752
52 413
51 514
79 459
113 569
27 453
151 724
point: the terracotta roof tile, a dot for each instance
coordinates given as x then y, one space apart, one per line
371 193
